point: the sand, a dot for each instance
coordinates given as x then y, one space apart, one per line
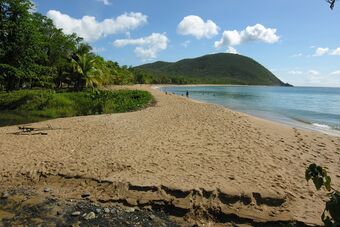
201 161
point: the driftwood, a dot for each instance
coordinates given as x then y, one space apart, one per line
27 130
31 129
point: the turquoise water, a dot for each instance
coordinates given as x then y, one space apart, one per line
307 107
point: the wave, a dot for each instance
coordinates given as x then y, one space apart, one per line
321 126
315 124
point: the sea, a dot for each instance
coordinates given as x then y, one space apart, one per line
312 108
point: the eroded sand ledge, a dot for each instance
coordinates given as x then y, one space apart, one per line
199 161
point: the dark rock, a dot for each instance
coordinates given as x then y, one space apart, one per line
98 211
86 194
47 189
113 211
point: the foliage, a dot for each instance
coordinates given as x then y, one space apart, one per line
319 176
34 53
10 76
332 3
27 106
85 71
215 68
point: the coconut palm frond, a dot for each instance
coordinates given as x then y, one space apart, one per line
85 66
332 3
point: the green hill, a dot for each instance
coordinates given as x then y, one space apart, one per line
219 68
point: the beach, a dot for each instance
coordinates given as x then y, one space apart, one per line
203 161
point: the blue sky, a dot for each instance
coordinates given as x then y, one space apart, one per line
299 41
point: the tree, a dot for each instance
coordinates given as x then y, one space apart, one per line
19 40
32 47
10 77
112 70
85 71
34 53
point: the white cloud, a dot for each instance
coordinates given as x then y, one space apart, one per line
295 72
195 26
336 51
146 47
314 77
296 55
257 32
336 73
91 30
232 50
98 49
186 43
105 2
313 73
229 38
320 51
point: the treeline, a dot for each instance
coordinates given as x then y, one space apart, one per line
143 77
34 53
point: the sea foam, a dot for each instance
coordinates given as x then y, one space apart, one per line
321 126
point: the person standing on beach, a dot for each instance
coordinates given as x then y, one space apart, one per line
187 94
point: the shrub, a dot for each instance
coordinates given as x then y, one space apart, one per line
320 178
27 106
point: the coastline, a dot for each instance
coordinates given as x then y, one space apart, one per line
194 157
312 127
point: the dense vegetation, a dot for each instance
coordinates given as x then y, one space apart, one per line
27 106
46 74
215 68
34 53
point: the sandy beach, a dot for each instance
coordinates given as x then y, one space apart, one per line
202 161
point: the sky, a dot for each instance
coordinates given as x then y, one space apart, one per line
299 41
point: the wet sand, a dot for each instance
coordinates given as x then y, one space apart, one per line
202 161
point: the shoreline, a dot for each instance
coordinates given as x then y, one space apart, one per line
200 160
289 122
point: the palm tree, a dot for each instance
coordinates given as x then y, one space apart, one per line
86 71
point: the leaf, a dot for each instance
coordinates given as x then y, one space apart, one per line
318 182
333 207
328 223
324 172
319 170
328 183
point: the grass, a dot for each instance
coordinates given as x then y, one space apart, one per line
27 106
